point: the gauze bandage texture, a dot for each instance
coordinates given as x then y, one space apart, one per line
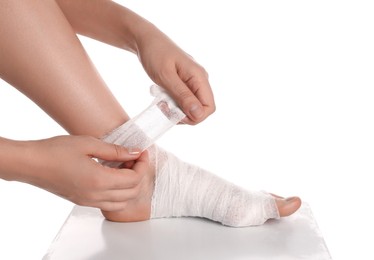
142 131
182 189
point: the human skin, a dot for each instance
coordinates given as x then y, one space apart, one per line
58 75
51 164
166 64
41 56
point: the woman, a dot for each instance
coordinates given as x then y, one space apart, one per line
38 39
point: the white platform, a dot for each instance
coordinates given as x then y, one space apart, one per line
86 235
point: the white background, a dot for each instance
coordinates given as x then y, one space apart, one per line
293 82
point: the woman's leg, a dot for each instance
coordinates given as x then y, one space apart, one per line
42 57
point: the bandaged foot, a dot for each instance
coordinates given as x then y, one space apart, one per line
182 189
179 189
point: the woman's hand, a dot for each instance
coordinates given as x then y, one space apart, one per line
65 166
177 72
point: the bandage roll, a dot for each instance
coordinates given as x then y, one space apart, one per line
142 131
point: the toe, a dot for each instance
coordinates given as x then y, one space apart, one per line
288 206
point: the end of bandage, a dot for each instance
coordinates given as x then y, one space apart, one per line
143 130
166 104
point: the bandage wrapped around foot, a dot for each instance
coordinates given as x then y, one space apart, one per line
182 189
140 132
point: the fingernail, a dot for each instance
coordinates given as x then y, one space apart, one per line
133 151
196 111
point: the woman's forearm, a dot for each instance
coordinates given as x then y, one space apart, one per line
13 159
106 21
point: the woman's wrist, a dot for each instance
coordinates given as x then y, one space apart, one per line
15 160
135 30
117 25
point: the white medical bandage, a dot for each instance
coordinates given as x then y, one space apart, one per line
182 189
143 130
